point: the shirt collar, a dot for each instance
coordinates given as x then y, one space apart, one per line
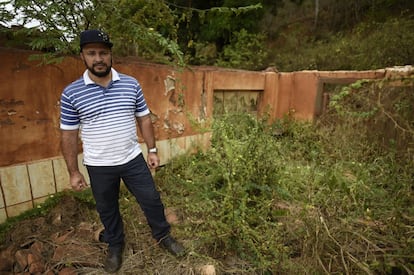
88 80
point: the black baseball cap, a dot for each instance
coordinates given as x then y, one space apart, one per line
94 36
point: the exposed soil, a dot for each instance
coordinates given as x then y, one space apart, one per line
65 241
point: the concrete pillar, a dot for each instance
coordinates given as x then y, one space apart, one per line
268 100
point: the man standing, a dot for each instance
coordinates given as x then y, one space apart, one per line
104 106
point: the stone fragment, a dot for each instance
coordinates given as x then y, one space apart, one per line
37 247
68 271
208 270
21 259
7 259
35 263
171 215
85 230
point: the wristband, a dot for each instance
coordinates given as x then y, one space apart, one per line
152 150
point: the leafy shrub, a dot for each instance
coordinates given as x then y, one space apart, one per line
245 51
301 197
371 45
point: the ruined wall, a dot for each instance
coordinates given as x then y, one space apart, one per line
30 94
31 165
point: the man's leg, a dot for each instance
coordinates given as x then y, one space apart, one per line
138 179
105 182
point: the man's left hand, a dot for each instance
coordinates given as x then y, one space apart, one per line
153 160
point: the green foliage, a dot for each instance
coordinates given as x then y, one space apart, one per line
245 51
299 197
249 34
220 22
370 45
134 26
379 137
227 182
361 109
143 33
381 111
334 196
204 53
85 196
58 23
235 187
205 33
5 15
148 29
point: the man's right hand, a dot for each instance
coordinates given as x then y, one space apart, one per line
77 181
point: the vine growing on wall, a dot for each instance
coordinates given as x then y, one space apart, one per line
381 110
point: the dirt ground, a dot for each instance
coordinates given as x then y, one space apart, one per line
65 241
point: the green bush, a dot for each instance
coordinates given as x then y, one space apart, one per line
372 45
300 197
245 51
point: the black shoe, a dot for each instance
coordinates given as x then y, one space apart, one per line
174 247
113 260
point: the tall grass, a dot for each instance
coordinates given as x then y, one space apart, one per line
325 197
334 196
371 45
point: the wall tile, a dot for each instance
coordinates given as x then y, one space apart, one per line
61 174
164 151
15 183
192 142
18 209
82 168
40 200
178 146
206 141
3 216
41 178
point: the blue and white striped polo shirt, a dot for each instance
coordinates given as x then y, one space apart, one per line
105 117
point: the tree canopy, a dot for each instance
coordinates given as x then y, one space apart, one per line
246 34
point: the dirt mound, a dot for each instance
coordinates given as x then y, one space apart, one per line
60 242
66 241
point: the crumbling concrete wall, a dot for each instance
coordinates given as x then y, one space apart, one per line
31 164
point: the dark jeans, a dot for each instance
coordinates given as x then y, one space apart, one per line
105 183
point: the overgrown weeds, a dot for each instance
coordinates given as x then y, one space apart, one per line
370 45
328 197
334 196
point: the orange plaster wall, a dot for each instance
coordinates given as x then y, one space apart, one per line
304 94
298 92
284 98
352 74
238 80
268 100
170 108
29 107
30 95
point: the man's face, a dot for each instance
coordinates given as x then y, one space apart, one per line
97 58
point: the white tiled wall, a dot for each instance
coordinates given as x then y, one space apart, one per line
25 185
15 185
41 178
61 176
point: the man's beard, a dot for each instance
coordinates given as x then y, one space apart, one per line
100 73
